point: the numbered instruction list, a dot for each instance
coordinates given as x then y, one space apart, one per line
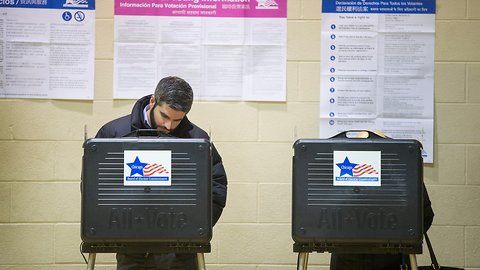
377 66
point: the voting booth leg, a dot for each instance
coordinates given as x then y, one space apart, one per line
302 261
91 261
200 261
413 262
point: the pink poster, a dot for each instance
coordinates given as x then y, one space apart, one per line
226 49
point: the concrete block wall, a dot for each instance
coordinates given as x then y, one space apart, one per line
41 149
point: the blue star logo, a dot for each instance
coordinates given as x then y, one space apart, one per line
137 167
346 167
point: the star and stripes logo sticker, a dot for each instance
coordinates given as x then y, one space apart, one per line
365 171
149 168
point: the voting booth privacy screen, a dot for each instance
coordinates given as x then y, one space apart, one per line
140 190
358 195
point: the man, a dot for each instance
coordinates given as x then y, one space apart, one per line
166 111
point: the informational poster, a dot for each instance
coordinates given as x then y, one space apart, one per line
47 49
226 50
377 66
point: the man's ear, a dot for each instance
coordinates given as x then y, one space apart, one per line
152 100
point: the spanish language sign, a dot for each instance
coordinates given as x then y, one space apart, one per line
225 49
47 49
377 66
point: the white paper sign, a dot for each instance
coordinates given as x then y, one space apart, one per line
377 66
47 49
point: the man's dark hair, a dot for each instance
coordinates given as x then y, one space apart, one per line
175 92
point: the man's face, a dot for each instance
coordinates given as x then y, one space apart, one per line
166 118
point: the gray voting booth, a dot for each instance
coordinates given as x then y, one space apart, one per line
357 195
146 194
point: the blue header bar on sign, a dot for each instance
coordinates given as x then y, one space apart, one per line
374 6
49 4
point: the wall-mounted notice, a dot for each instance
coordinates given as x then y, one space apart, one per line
226 50
377 63
47 49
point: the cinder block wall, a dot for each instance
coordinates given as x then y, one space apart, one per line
41 149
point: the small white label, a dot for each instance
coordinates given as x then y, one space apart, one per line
147 168
357 168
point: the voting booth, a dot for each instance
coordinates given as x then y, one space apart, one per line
146 194
357 195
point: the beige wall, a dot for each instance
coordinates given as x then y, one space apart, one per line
41 149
